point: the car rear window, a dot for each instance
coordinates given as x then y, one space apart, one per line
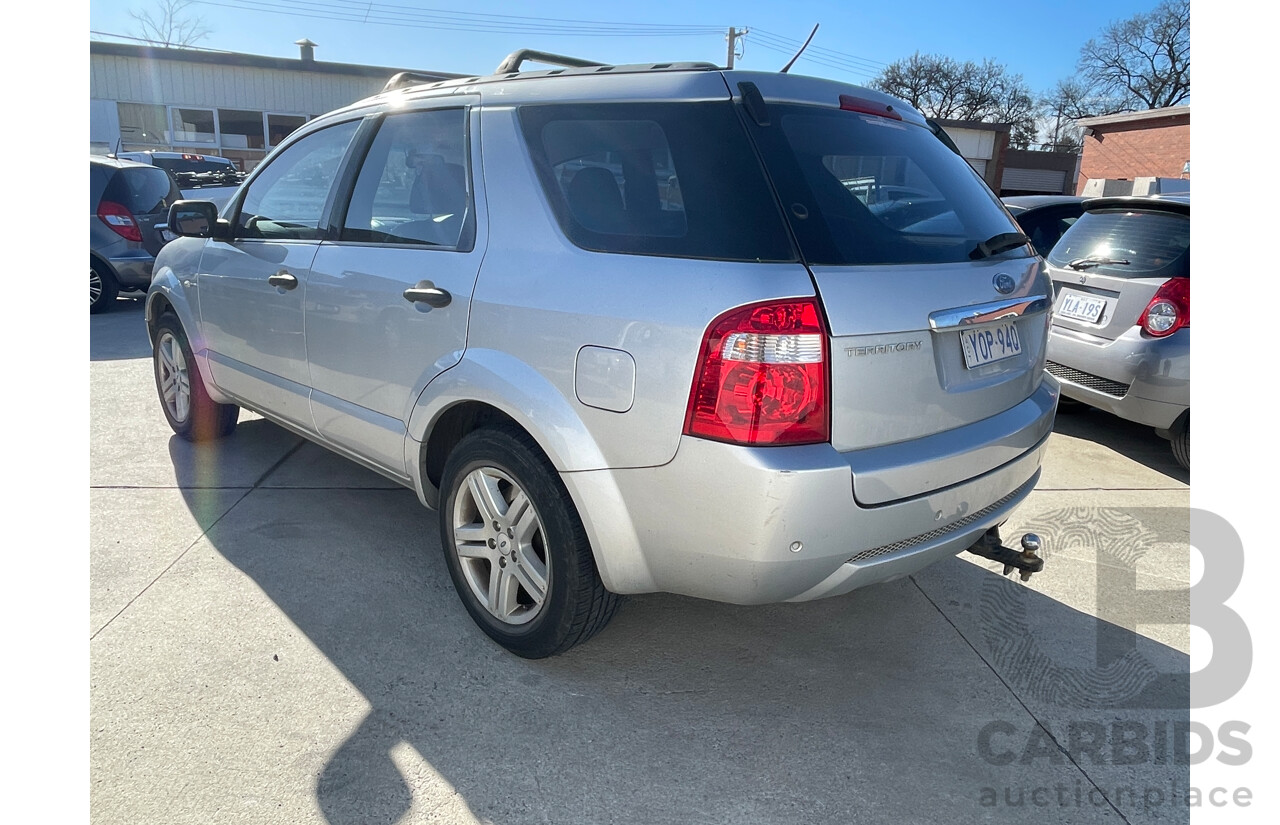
862 189
671 179
143 190
1128 243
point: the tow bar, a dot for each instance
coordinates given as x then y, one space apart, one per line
1026 561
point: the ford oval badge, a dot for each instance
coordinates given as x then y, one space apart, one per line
1005 284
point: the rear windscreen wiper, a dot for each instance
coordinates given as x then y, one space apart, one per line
1096 260
997 244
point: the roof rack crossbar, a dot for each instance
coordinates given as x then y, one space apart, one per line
514 60
401 79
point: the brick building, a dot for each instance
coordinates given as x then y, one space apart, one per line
1155 143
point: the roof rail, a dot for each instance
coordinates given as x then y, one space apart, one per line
402 79
515 59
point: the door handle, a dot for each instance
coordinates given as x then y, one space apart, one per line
428 293
283 279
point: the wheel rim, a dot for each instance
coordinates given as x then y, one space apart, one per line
500 545
95 286
175 380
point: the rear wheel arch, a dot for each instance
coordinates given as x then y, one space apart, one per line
453 425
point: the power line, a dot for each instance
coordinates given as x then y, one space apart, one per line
819 54
402 16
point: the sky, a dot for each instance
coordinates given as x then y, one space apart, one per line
855 41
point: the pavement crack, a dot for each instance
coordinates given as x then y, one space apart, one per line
1023 705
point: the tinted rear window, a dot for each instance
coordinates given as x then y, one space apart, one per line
671 179
860 189
143 190
1131 244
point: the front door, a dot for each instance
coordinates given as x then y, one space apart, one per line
387 301
252 286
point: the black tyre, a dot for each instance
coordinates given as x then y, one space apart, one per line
190 411
515 546
103 287
1180 438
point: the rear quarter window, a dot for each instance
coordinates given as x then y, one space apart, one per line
143 190
671 179
1131 243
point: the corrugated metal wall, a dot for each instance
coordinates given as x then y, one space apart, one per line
230 87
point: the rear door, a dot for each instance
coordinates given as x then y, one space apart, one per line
1108 266
388 299
937 312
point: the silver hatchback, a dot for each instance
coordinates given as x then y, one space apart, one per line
1121 336
740 336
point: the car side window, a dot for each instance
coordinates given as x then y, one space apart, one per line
286 201
413 186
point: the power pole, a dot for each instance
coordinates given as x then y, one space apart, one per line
732 37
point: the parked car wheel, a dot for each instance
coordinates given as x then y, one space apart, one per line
102 287
1180 437
516 548
191 413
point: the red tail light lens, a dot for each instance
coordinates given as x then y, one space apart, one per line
120 220
1169 310
762 377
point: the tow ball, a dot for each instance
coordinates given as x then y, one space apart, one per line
1026 562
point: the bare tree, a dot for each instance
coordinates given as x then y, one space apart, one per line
1143 62
168 24
944 88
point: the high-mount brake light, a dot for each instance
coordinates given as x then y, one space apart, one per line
762 377
849 103
120 220
1169 309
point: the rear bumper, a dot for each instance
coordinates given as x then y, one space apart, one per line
761 525
133 270
1147 380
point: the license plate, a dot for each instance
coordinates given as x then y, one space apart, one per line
990 344
1082 308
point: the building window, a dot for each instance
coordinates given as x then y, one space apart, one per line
279 126
193 126
143 123
241 129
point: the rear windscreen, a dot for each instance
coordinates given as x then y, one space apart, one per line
143 190
671 179
861 189
1127 244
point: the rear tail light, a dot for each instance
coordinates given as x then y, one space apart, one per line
120 220
1169 310
762 377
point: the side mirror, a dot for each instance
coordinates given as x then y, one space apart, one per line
196 219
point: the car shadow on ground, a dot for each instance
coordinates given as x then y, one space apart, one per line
1134 441
119 333
860 708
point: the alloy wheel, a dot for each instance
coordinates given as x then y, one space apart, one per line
175 379
501 546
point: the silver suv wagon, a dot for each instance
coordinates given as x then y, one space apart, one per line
740 336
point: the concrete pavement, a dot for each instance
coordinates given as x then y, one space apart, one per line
274 638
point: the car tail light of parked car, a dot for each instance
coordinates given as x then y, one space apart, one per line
762 377
1169 310
120 220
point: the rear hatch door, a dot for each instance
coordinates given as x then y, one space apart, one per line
147 192
937 308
